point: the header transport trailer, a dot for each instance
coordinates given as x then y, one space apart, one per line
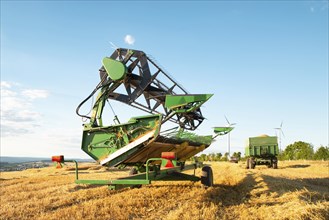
131 77
262 150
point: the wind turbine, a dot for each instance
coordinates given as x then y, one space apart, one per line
280 133
229 135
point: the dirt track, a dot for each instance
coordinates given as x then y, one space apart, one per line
297 190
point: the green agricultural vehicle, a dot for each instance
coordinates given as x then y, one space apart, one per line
262 150
131 77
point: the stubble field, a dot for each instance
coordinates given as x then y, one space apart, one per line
297 190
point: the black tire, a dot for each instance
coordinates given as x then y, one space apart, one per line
252 163
247 164
207 177
275 163
134 171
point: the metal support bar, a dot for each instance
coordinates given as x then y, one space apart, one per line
140 77
76 168
114 182
171 174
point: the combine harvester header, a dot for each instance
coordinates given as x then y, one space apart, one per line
131 77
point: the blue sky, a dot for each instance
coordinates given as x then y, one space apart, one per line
265 62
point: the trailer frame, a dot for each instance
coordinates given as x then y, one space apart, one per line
154 172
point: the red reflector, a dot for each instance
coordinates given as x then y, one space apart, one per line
169 164
168 155
58 159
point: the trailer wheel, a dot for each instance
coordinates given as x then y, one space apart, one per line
275 163
134 171
252 163
247 164
207 176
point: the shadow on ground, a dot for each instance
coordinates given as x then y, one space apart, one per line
228 195
316 189
297 166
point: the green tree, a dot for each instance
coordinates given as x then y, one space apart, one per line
224 158
282 156
299 150
203 157
322 153
218 156
212 157
237 155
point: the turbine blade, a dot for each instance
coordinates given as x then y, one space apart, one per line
227 120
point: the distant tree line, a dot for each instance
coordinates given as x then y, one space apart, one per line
218 156
304 151
297 151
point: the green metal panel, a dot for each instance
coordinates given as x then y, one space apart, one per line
222 130
262 145
185 103
115 69
263 140
101 142
114 182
